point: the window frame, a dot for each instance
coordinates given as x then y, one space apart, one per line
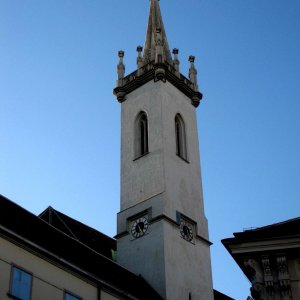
180 137
66 292
141 135
10 294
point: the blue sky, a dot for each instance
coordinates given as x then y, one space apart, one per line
60 123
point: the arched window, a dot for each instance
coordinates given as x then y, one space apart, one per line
180 137
141 135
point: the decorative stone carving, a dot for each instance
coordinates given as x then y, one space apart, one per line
257 289
120 68
159 71
159 53
268 278
155 22
139 60
176 61
282 267
284 278
193 72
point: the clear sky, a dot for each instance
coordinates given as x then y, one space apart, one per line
60 123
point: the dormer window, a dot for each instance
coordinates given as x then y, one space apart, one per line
141 135
180 137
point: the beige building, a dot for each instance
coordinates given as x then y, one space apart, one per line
270 258
53 257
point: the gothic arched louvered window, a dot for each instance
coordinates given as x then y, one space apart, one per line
180 137
141 135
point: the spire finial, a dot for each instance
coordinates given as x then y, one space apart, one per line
120 68
176 61
155 23
193 72
139 60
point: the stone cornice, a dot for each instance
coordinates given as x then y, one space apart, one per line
275 244
156 72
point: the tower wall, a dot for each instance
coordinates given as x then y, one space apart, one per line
183 185
141 178
146 256
187 267
161 186
162 171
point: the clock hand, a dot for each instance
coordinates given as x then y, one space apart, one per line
139 227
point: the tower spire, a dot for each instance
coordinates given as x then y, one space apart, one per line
156 63
156 38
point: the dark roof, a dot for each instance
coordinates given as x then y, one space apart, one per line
34 233
220 296
278 230
92 238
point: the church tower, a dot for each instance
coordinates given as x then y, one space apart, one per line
162 230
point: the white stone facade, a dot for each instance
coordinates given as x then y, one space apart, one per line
162 186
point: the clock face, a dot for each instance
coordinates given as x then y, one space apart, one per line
186 230
139 227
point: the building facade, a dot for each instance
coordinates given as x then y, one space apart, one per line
270 258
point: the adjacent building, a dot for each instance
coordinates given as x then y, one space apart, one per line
270 258
53 257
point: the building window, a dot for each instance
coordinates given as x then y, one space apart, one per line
69 296
180 137
141 135
21 283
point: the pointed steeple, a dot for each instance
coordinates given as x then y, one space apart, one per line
156 38
156 63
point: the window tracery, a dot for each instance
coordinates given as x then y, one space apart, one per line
141 135
180 136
